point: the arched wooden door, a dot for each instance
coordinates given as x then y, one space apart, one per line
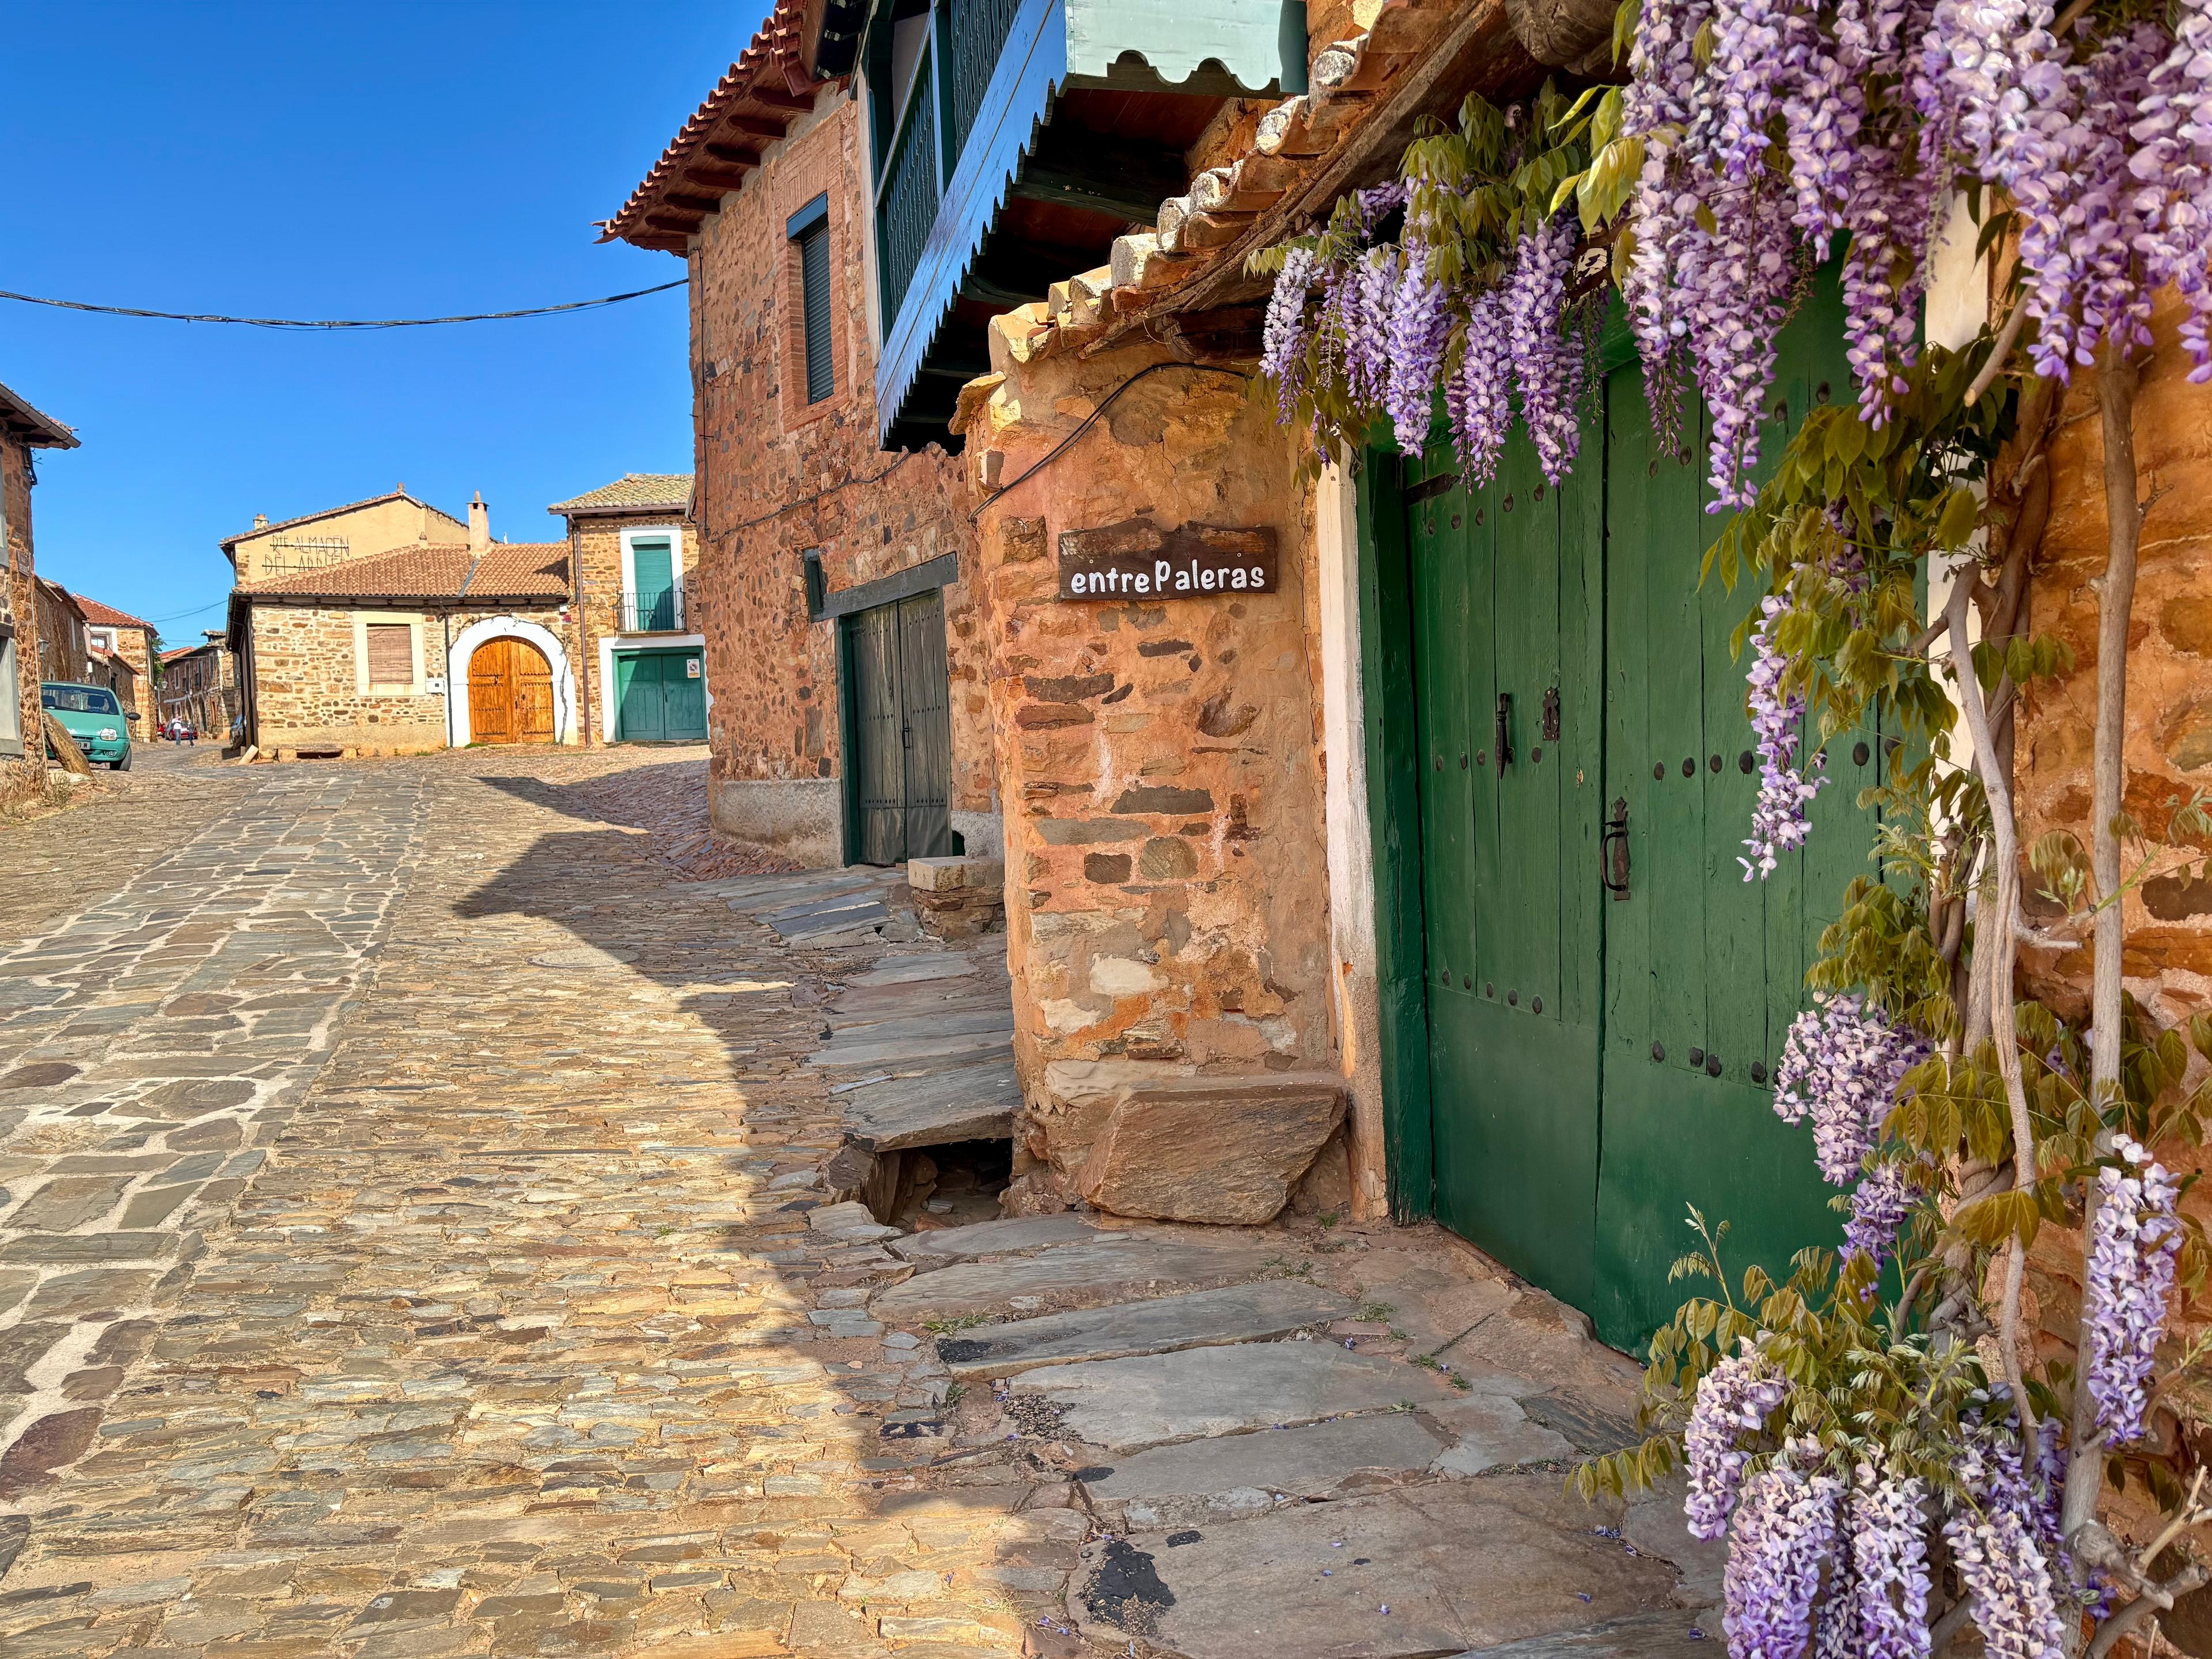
510 693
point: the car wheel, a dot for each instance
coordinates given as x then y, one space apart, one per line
124 765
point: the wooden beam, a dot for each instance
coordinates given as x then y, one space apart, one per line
681 224
1114 195
735 156
769 97
755 126
714 178
701 205
979 287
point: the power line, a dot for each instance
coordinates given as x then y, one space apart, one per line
201 610
331 322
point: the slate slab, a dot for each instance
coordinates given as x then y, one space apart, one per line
1098 1271
1027 1233
982 1048
1236 1313
917 969
1459 1567
973 1103
1127 1404
1489 1432
1237 1475
1646 1636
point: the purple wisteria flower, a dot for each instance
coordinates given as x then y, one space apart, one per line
1283 337
2133 1243
1547 365
1998 1552
1841 1065
1881 1205
1420 329
1478 396
1886 1525
1735 1399
1785 1532
1777 822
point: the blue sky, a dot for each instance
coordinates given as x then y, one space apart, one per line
411 158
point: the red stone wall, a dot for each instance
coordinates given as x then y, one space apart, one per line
21 780
1167 882
778 477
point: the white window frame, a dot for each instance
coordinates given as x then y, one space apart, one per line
364 687
674 533
100 638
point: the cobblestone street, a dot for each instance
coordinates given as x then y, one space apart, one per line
414 1247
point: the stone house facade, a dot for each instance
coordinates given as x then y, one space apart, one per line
634 551
65 647
814 543
135 648
22 744
428 648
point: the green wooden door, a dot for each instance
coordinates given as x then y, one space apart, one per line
1592 1055
1506 636
652 592
660 696
899 719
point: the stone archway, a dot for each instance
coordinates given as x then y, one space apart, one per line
460 673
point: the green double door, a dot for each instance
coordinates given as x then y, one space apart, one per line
660 696
1607 994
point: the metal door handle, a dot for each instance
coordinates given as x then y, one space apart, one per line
1505 731
1612 851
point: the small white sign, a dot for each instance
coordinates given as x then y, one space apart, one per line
690 668
435 685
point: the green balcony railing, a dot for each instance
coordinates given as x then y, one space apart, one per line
979 30
906 206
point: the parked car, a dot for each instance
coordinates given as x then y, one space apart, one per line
90 715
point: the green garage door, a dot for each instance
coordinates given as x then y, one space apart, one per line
1599 1060
660 696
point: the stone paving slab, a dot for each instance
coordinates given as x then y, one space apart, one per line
1127 1404
1236 1313
1013 1234
1418 1570
1094 1271
1644 1636
970 1102
1204 1482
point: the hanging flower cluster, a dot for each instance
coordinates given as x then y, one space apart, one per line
1765 129
1841 1065
2133 1243
2003 1547
1734 1398
1782 1534
1778 824
1466 294
1882 1204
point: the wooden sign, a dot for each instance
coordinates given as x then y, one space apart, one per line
1137 560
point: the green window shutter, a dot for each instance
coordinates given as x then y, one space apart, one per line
653 571
814 288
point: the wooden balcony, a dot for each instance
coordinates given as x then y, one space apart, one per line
1014 139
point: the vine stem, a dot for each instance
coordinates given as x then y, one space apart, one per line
2116 382
1997 937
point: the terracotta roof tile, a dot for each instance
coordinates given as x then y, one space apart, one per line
773 60
106 616
508 570
631 491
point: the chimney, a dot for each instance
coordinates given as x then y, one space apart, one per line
479 524
261 521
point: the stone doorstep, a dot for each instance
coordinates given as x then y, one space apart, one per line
1212 1148
1443 1569
1236 1313
971 873
1096 1270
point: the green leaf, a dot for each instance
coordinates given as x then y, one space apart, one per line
1955 523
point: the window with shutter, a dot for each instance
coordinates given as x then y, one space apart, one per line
391 655
809 231
11 698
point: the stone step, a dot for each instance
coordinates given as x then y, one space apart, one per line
1444 1569
1129 1404
913 1050
918 969
1670 1635
1084 1273
1205 1482
1000 1017
972 1103
1236 1313
1027 1233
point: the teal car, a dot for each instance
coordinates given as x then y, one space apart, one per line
90 715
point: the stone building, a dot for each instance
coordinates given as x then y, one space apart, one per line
22 744
336 534
1370 837
198 684
429 645
635 552
65 646
835 584
134 646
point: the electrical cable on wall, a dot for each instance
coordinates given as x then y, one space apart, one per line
336 322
